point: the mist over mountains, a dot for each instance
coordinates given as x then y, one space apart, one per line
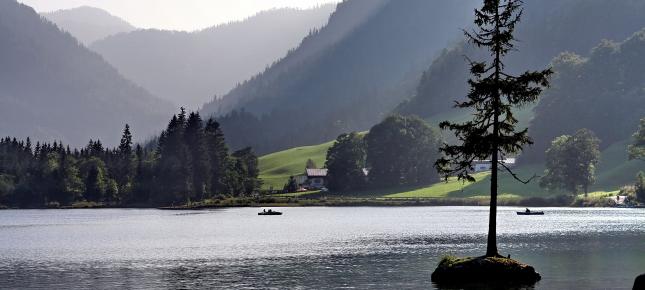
53 88
190 68
341 23
350 84
290 77
88 24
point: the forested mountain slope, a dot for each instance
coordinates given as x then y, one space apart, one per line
189 68
349 85
88 24
604 92
548 28
52 87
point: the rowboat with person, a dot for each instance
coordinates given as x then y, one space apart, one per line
529 212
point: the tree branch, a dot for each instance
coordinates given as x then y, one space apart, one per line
515 175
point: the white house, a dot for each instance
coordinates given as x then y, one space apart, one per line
485 165
316 178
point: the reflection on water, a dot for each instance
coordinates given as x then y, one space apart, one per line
309 247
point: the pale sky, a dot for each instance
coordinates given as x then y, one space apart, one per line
176 14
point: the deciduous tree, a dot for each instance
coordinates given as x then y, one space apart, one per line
571 162
345 163
401 151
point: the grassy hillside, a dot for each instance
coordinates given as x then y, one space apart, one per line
276 168
614 171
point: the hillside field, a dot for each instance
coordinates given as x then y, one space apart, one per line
276 168
613 172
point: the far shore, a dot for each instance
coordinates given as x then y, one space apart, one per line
282 201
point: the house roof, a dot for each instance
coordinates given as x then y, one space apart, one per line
316 172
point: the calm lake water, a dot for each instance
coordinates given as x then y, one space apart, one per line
336 247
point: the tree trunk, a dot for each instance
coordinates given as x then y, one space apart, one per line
491 247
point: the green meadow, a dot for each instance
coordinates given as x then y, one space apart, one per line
613 172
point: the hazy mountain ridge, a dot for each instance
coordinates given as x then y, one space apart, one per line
51 87
354 82
347 16
189 68
88 24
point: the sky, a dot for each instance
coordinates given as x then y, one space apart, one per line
185 15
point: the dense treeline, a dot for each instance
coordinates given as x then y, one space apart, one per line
189 161
398 151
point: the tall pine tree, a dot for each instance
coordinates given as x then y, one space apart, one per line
198 156
217 155
125 165
172 170
493 94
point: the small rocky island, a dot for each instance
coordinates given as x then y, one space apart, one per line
479 271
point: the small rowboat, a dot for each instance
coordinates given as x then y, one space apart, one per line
270 213
530 213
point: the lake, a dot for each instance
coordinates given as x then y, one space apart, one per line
307 248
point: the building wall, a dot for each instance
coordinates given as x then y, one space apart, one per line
482 167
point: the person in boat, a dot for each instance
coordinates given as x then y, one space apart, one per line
270 210
527 210
264 210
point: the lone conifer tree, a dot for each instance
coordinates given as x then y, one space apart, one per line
493 94
125 147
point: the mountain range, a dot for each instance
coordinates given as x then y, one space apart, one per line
54 88
290 77
192 68
351 83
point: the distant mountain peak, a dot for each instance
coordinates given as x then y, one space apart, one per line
88 24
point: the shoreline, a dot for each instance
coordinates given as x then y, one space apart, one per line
375 203
345 202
